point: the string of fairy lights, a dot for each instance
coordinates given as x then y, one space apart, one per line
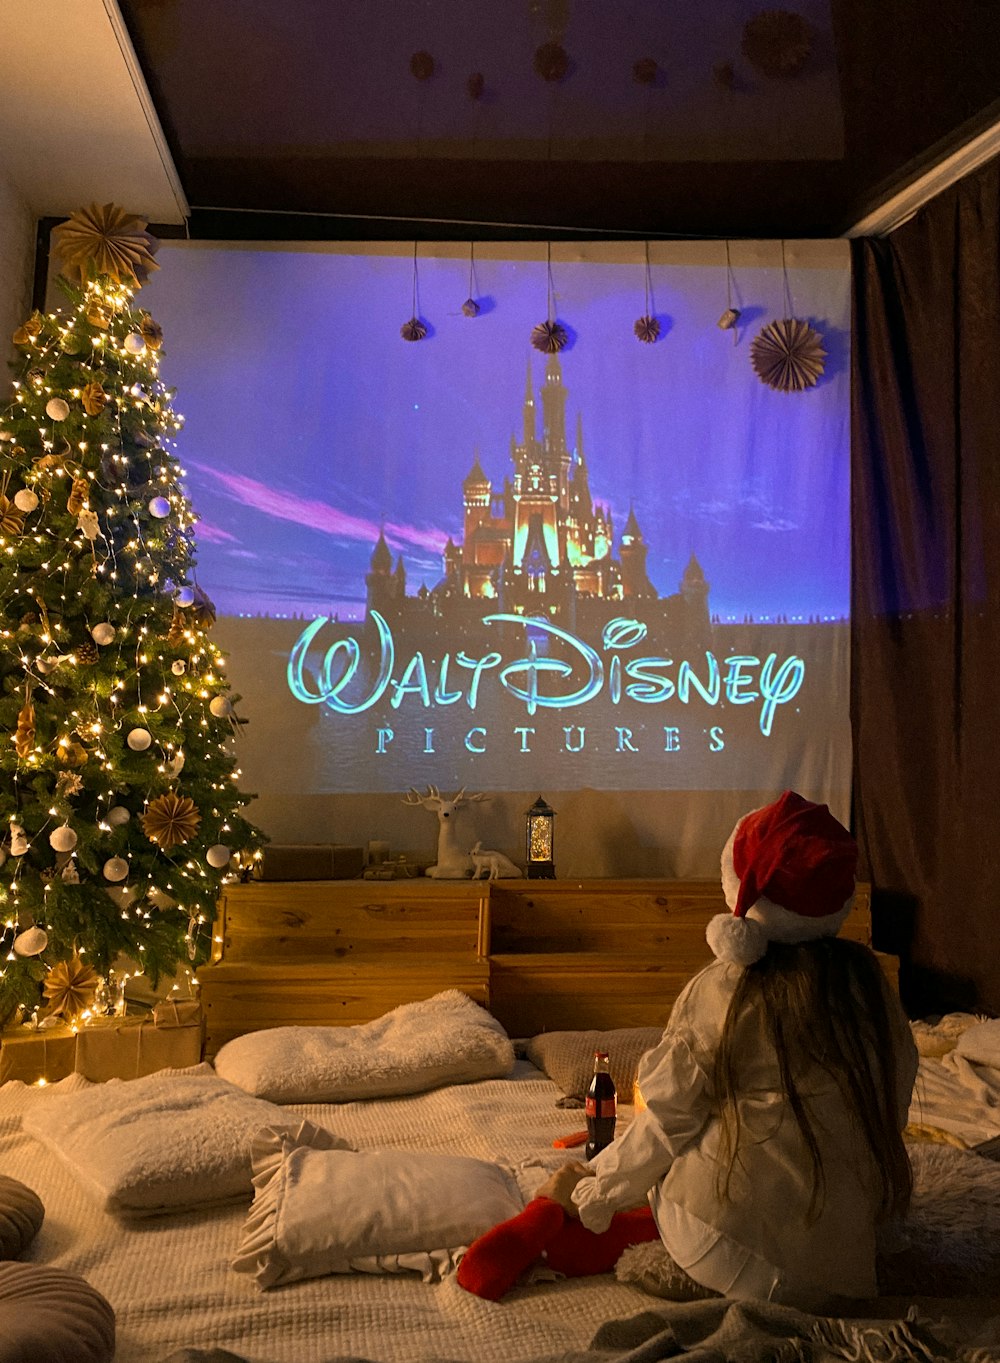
124 782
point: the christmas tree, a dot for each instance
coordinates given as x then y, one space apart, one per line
118 797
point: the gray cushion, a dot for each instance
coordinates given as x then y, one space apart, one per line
50 1316
568 1057
21 1216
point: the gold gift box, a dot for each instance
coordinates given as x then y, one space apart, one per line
106 1048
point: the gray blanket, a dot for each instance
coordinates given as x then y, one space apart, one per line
720 1331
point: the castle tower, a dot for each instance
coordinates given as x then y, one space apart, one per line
633 551
538 500
694 592
557 452
477 496
380 588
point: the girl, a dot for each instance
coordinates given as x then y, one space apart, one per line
770 1144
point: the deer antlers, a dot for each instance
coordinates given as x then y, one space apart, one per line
435 800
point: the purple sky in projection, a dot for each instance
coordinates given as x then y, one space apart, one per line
310 424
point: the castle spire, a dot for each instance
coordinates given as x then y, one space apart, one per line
530 425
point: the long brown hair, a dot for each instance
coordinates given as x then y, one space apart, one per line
821 1003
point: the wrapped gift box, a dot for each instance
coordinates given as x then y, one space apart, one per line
30 1055
106 1048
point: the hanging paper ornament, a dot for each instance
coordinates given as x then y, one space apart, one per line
476 85
69 987
221 707
413 330
69 874
178 627
185 596
78 494
18 842
728 319
94 399
71 754
788 355
159 507
68 784
103 633
647 329
63 839
204 609
152 332
134 343
22 338
170 820
178 667
645 71
422 66
550 337
24 735
105 240
117 816
139 739
86 654
88 524
724 75
115 869
57 409
31 942
218 856
471 308
25 500
777 42
11 517
551 62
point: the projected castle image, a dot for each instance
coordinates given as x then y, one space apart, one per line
540 545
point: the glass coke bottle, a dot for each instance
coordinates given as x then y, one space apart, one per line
601 1106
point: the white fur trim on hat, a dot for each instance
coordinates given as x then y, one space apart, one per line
744 940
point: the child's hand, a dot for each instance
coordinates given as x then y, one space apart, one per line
559 1186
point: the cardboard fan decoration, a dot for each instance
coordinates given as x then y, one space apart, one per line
106 241
788 355
70 987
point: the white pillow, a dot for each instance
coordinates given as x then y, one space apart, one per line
981 1044
447 1039
321 1207
175 1139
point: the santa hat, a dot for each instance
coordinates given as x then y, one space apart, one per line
788 876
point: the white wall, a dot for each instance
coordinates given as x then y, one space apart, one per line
17 257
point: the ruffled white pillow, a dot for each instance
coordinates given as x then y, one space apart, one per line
321 1207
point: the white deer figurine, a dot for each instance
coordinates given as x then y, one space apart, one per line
452 862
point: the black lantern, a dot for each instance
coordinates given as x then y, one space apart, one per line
540 841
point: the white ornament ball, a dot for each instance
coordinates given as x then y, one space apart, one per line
178 667
62 839
139 739
25 500
221 707
57 409
134 343
103 633
117 815
31 942
115 868
218 856
159 507
185 596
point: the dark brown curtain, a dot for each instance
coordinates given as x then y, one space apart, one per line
926 564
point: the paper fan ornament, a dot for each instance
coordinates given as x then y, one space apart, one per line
70 987
788 355
105 241
549 336
170 820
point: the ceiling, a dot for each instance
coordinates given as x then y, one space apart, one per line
735 126
349 119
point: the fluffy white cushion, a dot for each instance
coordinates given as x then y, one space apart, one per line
447 1039
173 1140
981 1043
321 1207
